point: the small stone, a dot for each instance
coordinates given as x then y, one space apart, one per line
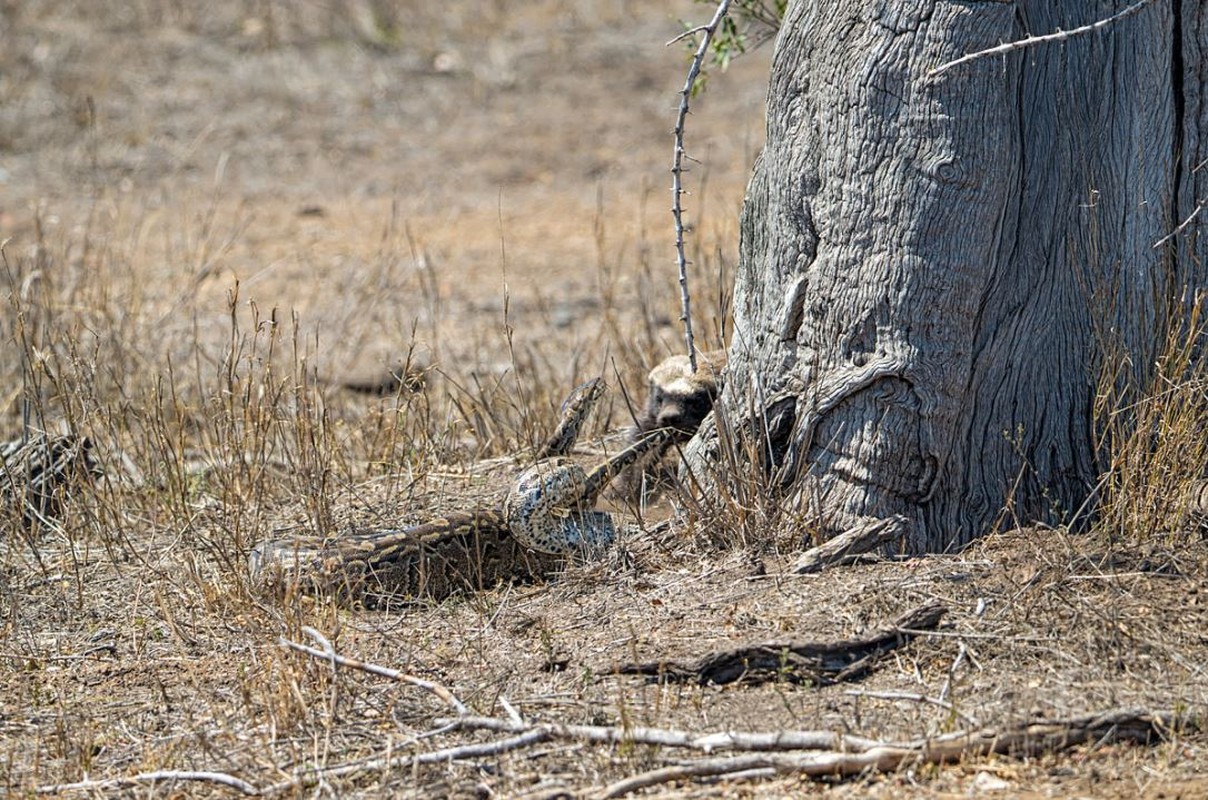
985 783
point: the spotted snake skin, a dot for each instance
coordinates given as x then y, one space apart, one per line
546 514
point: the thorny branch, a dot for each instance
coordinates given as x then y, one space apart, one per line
677 168
1056 36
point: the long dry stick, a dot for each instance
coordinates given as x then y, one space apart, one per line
159 776
677 168
373 669
313 777
1057 36
662 737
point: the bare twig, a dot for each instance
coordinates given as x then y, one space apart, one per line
373 669
313 777
159 776
1190 218
663 737
1057 36
677 168
687 34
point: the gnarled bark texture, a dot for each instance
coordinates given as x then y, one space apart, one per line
932 266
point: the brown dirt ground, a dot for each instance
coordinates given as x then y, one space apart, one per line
456 178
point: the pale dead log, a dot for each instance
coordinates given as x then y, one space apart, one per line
865 537
1027 739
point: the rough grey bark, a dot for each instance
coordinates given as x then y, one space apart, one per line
932 267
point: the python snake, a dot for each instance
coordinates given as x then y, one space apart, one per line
546 514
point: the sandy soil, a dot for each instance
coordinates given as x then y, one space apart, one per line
521 153
485 186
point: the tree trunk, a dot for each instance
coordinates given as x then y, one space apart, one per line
933 268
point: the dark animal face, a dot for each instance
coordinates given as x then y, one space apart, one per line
679 398
681 408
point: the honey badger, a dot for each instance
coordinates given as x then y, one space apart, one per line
677 398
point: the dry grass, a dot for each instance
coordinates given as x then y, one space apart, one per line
178 291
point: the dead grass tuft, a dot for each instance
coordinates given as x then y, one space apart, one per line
1155 436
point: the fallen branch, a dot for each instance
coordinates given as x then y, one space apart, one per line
1028 739
852 543
373 669
828 754
662 737
159 776
821 663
